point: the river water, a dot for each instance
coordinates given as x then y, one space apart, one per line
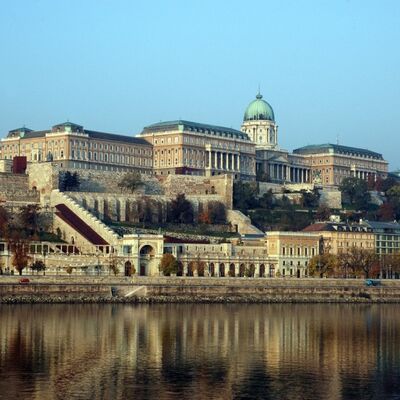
199 352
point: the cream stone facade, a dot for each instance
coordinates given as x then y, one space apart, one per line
293 251
322 165
72 146
184 147
340 237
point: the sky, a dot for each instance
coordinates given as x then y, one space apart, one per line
330 69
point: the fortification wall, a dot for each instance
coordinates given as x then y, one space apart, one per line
130 207
15 188
200 187
331 198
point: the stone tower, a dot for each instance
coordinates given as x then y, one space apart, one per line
259 124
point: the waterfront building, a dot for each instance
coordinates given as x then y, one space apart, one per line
387 236
293 251
72 146
192 148
340 237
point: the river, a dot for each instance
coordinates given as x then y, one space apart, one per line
196 351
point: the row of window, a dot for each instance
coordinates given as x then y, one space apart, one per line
300 251
112 158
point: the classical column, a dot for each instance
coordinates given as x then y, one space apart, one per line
226 161
238 162
215 160
122 210
209 159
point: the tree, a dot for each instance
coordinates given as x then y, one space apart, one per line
29 217
386 212
322 265
323 213
310 199
217 212
131 181
391 264
69 181
19 249
244 195
393 195
266 201
360 260
355 192
181 210
169 265
38 266
4 220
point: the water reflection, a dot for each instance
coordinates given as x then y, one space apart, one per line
199 352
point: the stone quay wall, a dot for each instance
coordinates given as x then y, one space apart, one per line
191 290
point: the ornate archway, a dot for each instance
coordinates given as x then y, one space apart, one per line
261 271
211 269
128 269
242 270
232 270
221 269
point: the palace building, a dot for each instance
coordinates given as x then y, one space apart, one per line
183 147
192 148
72 146
323 165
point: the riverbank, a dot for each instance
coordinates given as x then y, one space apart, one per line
52 289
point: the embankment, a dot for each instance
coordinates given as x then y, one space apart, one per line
189 290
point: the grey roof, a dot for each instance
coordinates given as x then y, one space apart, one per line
378 225
92 134
35 134
120 138
196 127
337 149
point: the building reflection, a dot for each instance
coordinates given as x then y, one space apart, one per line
199 351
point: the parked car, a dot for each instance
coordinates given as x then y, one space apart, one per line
24 281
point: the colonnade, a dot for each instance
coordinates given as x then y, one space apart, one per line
282 172
363 174
223 161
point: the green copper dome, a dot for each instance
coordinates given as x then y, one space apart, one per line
259 109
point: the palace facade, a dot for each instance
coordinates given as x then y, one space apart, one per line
184 147
72 146
192 148
323 165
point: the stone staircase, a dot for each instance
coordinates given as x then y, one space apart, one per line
98 226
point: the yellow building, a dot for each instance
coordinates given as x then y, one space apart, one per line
293 250
323 165
339 237
72 146
331 163
183 147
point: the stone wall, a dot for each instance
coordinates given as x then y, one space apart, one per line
130 207
6 165
15 188
222 290
45 178
200 187
331 198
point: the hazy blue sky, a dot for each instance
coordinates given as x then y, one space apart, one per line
328 68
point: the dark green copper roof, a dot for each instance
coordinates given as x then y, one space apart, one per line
258 110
